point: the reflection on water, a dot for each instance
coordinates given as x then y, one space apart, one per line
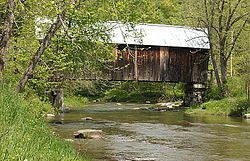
141 135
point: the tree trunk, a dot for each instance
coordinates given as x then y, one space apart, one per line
214 63
223 63
6 32
45 43
215 67
57 99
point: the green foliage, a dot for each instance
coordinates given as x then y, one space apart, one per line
80 45
75 101
231 106
144 91
235 104
214 93
25 137
236 86
242 107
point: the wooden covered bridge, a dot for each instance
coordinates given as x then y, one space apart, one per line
159 53
153 52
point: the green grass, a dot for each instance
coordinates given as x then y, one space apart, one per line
25 134
232 106
75 101
235 104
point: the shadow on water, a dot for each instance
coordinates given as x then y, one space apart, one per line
132 134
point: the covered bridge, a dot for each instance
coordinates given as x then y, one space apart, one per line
159 53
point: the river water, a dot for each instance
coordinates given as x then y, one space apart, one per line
130 134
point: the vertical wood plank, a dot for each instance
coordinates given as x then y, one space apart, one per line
136 64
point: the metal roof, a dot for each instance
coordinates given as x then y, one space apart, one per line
157 35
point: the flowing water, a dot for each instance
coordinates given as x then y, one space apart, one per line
141 135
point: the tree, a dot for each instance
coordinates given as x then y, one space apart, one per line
81 31
6 32
225 21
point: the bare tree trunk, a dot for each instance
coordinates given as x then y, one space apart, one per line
8 23
215 67
223 67
45 43
210 16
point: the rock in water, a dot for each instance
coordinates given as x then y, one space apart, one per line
88 134
69 140
50 115
87 118
247 116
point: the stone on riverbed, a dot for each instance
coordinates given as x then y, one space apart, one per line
69 140
247 116
88 134
50 115
87 118
168 104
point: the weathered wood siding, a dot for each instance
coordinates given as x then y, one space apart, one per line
160 64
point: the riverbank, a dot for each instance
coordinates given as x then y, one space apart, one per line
231 106
24 133
235 104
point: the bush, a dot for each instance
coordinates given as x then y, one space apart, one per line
214 93
242 107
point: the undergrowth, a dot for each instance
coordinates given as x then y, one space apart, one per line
24 134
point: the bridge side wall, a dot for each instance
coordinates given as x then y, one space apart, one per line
160 64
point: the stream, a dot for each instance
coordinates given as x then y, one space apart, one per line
133 134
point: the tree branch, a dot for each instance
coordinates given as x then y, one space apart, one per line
236 38
6 33
44 45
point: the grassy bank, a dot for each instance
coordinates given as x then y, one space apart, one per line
75 102
235 104
232 106
24 135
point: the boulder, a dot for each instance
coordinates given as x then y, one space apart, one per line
87 118
88 134
247 116
50 115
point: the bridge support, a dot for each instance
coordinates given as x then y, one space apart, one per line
57 99
194 94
